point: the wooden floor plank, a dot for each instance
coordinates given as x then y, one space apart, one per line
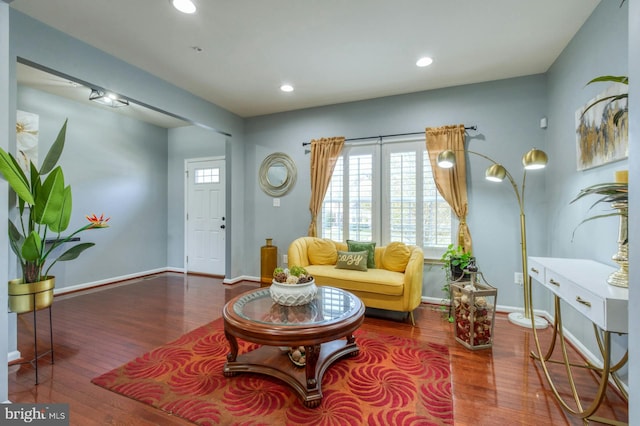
98 330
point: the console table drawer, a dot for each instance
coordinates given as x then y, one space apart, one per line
583 285
536 271
582 300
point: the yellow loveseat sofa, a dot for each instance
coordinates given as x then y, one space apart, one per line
394 284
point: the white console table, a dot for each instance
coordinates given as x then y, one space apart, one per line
583 285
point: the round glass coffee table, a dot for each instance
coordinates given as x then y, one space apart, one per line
324 327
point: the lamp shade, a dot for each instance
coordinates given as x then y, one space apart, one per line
495 173
534 159
446 159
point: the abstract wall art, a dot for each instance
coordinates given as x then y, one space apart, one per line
598 139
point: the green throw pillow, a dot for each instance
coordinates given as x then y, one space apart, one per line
361 246
356 260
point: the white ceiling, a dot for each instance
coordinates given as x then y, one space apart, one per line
331 51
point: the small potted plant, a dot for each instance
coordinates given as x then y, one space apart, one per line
293 286
44 206
454 261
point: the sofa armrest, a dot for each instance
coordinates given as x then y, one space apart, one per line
413 277
298 252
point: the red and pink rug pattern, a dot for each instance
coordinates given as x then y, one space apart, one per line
392 381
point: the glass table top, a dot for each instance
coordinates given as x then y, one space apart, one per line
330 304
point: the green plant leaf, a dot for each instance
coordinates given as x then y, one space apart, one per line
15 176
618 115
65 212
55 151
600 216
610 79
32 247
50 199
16 239
608 99
618 190
70 254
74 252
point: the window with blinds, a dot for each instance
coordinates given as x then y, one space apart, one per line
386 193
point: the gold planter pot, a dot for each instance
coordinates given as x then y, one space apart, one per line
32 296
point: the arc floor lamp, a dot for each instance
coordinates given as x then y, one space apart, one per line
532 160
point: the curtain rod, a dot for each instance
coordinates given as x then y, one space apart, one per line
390 136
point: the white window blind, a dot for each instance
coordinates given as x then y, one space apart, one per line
386 193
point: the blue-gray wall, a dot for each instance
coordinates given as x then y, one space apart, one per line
599 48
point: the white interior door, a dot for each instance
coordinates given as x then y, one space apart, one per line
205 229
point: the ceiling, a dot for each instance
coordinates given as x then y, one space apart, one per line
331 51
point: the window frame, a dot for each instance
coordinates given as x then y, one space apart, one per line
381 153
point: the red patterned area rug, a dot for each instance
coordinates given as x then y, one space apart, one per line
392 381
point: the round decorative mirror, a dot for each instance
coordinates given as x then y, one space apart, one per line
277 174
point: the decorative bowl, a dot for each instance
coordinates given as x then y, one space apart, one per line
293 294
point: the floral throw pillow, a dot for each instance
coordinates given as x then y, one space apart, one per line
352 260
370 247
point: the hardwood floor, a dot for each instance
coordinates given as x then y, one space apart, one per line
98 330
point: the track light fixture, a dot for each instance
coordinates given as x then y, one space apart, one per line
107 98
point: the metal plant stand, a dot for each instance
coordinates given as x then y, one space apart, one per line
36 355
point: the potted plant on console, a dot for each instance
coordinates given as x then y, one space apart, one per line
44 206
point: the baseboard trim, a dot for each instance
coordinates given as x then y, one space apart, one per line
113 280
13 356
241 278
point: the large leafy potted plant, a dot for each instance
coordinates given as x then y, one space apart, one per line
44 205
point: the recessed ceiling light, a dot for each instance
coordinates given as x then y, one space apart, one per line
286 88
424 62
184 6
